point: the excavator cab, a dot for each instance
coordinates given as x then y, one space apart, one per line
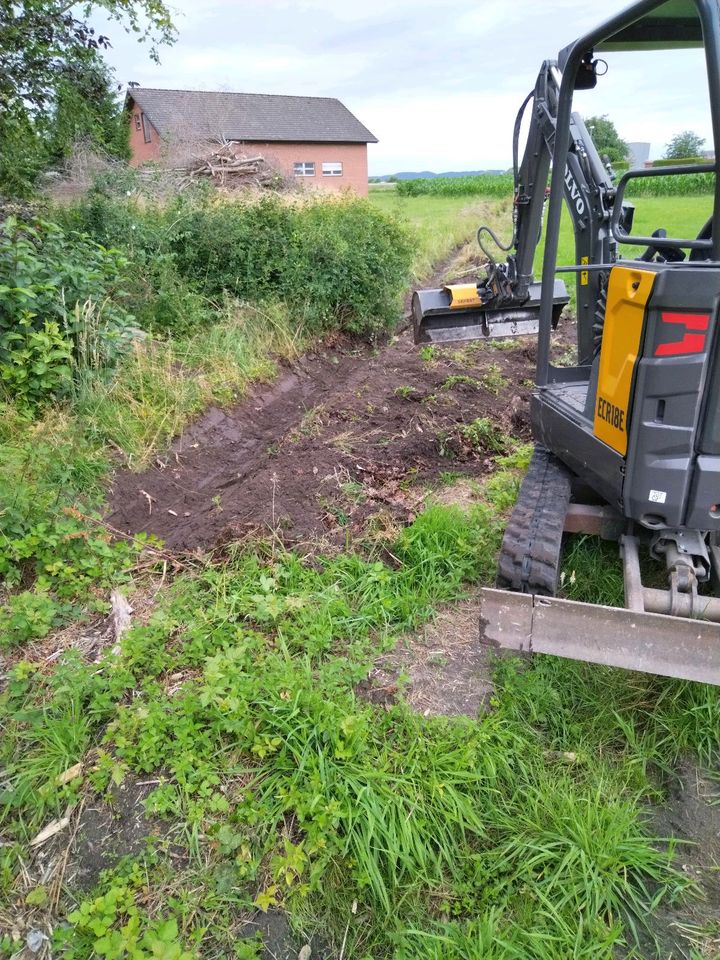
628 438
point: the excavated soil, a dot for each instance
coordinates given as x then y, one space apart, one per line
342 436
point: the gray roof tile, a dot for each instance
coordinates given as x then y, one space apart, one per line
186 114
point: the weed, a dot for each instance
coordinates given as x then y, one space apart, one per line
449 830
428 353
493 380
456 380
354 491
449 477
404 391
470 439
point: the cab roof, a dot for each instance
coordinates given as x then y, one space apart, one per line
672 25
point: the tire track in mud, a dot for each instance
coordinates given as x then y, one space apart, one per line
341 436
346 434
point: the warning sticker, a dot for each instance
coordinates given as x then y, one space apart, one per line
584 273
658 496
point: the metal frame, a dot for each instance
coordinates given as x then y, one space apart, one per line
659 243
571 60
667 632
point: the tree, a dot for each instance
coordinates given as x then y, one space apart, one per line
44 49
86 108
685 144
40 38
607 140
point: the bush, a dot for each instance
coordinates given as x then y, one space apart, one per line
28 616
338 262
46 273
342 263
348 265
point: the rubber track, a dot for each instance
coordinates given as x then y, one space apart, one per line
529 559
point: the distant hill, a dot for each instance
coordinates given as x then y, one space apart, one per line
429 174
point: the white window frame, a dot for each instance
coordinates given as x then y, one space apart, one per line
304 168
332 168
138 122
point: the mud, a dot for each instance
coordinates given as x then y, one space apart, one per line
342 436
440 669
691 815
113 829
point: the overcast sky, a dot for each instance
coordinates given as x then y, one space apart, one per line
437 83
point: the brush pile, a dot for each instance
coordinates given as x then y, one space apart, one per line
228 166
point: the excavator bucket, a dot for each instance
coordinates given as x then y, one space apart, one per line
456 312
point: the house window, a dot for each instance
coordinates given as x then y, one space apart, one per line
138 122
304 169
332 169
146 129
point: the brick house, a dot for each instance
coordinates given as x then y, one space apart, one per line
315 139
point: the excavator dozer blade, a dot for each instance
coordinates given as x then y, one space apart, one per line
613 636
441 317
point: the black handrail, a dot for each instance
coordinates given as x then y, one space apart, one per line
659 243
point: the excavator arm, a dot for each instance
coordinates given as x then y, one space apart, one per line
505 302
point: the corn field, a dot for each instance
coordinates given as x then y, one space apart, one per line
501 185
485 185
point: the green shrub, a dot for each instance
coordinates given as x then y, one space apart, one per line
27 616
46 273
34 364
670 162
337 262
347 267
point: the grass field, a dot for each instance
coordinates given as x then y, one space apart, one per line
441 223
444 222
680 216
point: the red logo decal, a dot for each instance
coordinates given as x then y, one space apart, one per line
691 342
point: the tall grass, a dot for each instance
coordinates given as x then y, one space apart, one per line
162 384
440 224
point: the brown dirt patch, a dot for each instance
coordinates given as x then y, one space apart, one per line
111 829
691 930
342 436
442 669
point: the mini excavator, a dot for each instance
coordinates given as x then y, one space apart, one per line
627 439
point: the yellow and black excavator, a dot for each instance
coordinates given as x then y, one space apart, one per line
627 439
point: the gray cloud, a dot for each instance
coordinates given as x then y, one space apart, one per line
438 83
